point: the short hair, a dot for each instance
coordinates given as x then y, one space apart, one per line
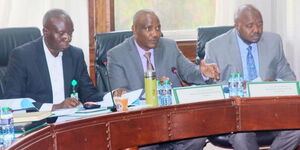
55 13
141 12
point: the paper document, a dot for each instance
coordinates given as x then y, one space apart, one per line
29 117
17 103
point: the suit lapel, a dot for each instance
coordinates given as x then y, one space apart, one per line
261 54
158 56
67 70
235 52
135 57
42 66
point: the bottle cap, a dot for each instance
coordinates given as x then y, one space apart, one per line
150 74
167 82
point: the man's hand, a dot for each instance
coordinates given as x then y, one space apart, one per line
119 92
210 70
67 103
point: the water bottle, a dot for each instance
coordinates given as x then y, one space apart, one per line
160 93
240 87
168 89
7 126
232 85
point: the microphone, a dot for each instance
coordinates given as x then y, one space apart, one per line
175 71
113 108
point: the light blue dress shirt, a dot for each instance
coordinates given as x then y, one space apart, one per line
243 50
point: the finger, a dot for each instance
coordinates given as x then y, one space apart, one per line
202 62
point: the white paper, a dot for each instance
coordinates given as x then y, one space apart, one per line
198 93
14 103
272 89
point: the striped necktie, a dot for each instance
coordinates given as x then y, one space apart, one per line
149 64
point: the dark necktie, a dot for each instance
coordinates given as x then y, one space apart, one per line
149 64
251 65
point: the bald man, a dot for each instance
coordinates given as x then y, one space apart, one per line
44 68
127 64
256 54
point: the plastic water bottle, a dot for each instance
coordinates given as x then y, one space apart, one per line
164 93
7 126
240 87
168 89
232 85
160 94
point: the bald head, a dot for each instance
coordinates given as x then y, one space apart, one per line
146 29
57 30
249 24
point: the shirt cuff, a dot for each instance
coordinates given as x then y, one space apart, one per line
204 77
46 107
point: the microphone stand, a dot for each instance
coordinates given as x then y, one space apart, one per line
113 108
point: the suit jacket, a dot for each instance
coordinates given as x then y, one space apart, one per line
224 51
126 70
28 75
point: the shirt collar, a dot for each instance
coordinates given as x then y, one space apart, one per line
47 51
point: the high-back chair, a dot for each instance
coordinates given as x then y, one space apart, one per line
11 38
206 34
104 42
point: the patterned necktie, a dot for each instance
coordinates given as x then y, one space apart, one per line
251 65
149 64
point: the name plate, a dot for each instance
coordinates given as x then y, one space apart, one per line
258 89
192 94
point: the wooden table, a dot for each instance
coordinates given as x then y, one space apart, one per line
154 125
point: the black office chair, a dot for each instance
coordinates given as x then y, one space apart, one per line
10 38
206 34
104 42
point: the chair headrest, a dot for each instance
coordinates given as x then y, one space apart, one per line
11 38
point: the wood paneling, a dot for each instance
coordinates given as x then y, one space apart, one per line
101 19
188 49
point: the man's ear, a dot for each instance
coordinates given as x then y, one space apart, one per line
133 28
45 31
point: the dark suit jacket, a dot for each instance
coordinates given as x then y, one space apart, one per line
28 75
126 71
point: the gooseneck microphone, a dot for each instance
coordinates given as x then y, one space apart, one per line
113 108
175 71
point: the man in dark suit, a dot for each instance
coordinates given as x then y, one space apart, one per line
44 68
127 63
256 54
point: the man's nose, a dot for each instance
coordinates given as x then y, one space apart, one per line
67 37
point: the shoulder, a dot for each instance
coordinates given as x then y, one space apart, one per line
223 38
270 37
126 45
29 48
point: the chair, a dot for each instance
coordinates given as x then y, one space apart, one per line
205 34
10 38
104 42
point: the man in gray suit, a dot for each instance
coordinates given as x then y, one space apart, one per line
127 63
248 50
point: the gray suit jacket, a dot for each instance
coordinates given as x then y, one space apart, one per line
224 51
126 71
